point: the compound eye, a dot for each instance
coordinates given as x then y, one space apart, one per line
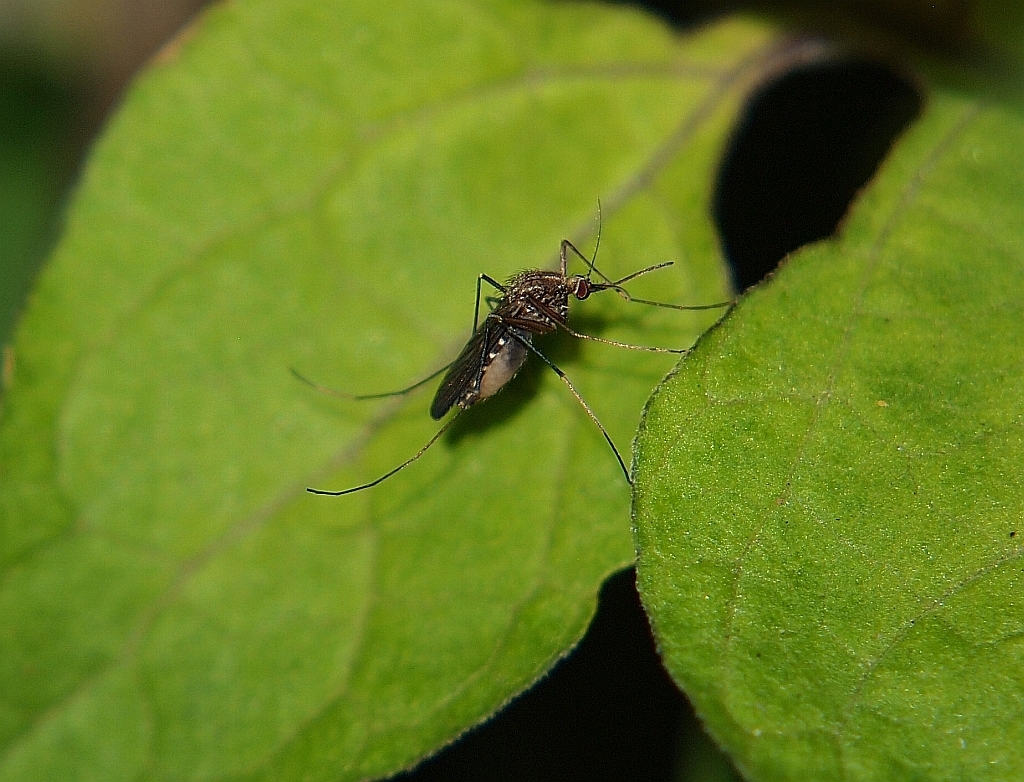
582 288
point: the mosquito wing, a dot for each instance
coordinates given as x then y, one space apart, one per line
462 373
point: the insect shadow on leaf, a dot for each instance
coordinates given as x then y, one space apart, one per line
531 303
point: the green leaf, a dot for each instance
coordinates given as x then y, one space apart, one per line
317 186
828 506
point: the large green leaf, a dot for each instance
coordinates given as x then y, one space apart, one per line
317 185
829 500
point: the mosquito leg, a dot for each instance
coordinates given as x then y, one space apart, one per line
654 267
343 395
567 245
563 325
564 264
476 308
579 399
716 306
389 473
616 285
530 325
648 348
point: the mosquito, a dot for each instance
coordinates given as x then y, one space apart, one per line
531 303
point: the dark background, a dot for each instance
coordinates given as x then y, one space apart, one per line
809 140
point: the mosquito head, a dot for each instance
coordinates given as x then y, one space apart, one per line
581 287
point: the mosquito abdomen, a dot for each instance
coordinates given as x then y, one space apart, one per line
501 367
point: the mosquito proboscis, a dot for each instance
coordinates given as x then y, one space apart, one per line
531 303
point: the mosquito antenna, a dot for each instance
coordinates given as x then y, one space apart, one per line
391 472
343 395
592 263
